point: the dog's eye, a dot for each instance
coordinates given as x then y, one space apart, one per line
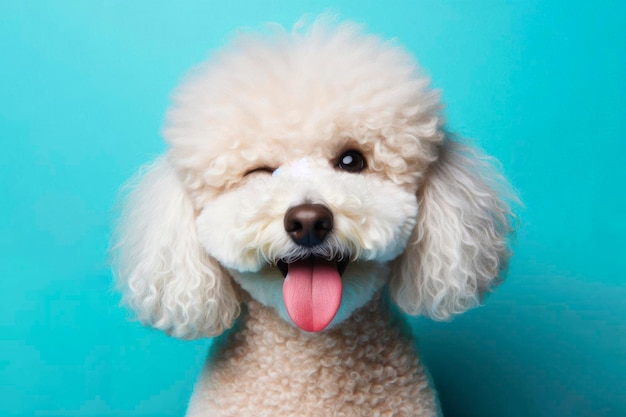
266 170
351 161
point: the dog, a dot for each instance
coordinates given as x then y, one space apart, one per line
309 199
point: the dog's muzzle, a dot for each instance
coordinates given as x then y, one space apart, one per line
312 288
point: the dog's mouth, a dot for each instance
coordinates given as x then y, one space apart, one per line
312 290
341 263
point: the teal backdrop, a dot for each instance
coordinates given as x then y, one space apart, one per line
541 85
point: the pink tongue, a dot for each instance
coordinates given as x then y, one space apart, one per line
312 293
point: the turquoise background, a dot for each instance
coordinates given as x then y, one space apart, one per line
540 85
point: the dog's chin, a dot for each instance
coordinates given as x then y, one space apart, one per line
314 293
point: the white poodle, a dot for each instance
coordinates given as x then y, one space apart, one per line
309 186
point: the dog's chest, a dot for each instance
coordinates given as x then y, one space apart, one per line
269 368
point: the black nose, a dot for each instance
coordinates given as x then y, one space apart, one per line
308 224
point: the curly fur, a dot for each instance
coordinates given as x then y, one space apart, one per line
458 248
166 278
258 129
368 364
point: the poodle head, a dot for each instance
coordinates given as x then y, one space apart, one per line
308 169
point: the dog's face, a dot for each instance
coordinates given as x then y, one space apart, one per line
309 184
311 169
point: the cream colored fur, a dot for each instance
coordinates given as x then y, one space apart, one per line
202 228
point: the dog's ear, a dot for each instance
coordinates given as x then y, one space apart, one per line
459 246
166 277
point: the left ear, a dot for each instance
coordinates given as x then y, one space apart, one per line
459 246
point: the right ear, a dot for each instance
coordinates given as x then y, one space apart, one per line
165 275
